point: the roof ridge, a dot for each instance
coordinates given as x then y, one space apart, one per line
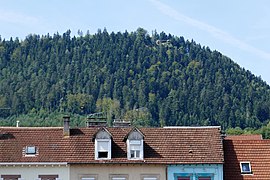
191 127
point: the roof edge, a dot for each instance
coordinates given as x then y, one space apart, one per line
33 163
11 127
192 127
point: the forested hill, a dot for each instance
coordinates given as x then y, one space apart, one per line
153 79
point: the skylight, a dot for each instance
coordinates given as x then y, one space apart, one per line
245 168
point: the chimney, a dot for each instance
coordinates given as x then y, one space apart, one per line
17 123
66 131
121 123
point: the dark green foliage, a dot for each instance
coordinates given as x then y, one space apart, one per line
177 81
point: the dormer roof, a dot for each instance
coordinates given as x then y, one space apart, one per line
101 130
134 129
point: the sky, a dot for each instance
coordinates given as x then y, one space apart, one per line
239 29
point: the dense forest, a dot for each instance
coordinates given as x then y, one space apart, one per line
151 79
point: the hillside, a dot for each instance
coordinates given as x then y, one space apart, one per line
164 78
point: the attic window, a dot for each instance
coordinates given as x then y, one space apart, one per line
135 145
30 150
245 168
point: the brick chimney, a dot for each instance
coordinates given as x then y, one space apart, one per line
66 130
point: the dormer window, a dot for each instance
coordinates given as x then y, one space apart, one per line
135 145
135 149
103 144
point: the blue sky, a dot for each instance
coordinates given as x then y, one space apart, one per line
239 29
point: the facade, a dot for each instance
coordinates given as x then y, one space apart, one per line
246 157
100 153
196 172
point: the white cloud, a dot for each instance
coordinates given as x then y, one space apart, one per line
215 32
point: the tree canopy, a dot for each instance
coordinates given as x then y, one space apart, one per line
175 81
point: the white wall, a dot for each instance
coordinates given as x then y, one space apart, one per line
31 172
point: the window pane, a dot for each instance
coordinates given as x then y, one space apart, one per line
102 154
150 178
85 178
183 178
120 178
245 167
30 150
204 178
48 177
134 154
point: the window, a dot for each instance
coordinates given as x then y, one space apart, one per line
135 145
48 177
10 177
88 177
150 177
205 176
183 176
103 148
30 150
119 177
135 148
103 144
245 168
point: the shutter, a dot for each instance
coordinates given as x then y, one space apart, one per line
103 146
135 147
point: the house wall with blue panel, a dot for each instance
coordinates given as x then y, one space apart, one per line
196 172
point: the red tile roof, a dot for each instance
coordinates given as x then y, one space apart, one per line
257 152
245 137
161 145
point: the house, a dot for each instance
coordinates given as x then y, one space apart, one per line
113 153
246 157
201 158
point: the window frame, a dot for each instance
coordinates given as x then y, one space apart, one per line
134 143
97 149
249 166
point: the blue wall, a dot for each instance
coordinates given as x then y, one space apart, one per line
215 171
